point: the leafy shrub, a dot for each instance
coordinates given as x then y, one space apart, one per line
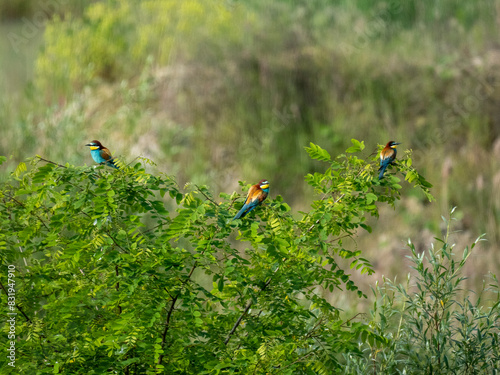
122 271
433 325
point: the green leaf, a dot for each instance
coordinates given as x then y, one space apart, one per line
424 182
317 153
366 227
21 168
370 198
220 284
356 147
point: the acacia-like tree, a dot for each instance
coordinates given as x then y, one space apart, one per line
124 272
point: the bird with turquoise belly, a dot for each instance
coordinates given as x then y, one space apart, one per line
101 154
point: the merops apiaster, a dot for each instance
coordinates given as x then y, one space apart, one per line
387 157
101 154
256 195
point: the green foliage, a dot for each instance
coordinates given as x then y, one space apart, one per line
433 324
120 270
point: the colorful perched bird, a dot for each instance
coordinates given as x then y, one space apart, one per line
256 195
101 154
387 156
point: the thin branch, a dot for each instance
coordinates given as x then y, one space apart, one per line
51 162
354 317
205 195
339 238
117 273
247 307
164 288
232 203
314 328
151 229
174 299
171 310
22 205
17 306
116 243
167 326
317 221
249 304
297 361
134 159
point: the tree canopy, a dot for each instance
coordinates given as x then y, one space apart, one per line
124 271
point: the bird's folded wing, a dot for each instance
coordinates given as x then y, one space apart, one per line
253 195
387 153
106 155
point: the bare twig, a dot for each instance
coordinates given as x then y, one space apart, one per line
354 317
339 238
51 162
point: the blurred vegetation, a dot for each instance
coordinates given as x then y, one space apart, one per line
30 10
222 91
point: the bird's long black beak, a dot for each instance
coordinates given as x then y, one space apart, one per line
88 144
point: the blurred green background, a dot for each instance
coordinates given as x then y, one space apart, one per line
220 91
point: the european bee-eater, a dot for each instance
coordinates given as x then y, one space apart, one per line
387 156
256 195
101 154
